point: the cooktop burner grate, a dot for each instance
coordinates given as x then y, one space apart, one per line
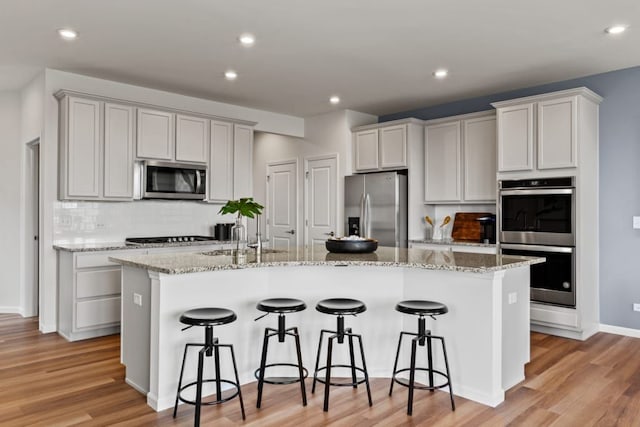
168 239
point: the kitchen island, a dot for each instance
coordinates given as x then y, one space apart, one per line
486 328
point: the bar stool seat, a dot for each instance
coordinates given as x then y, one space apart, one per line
208 317
422 308
340 307
281 306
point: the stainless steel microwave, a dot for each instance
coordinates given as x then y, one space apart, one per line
166 180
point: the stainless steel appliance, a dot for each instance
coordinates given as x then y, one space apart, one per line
167 239
375 206
164 180
537 218
538 211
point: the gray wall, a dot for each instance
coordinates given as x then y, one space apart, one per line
10 171
619 180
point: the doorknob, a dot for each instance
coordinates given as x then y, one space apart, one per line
331 233
291 232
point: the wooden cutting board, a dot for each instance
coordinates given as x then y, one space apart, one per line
466 227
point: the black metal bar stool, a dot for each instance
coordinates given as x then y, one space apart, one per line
281 306
340 307
421 309
208 317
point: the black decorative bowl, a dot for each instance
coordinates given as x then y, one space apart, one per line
351 246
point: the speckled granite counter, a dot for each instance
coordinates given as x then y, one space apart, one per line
179 263
116 246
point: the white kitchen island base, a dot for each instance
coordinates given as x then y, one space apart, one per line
486 329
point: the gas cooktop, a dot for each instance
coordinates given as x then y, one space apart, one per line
167 239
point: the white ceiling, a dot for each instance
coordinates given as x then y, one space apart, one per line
377 55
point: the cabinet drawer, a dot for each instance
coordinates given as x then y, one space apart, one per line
100 312
97 283
94 260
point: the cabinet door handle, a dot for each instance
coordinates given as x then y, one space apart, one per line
291 232
331 233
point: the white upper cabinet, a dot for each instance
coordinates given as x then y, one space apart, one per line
385 146
366 150
242 161
119 133
479 153
81 143
230 162
515 138
96 149
220 185
192 139
393 147
541 133
442 155
557 133
460 159
156 135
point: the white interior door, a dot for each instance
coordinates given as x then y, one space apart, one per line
321 178
282 203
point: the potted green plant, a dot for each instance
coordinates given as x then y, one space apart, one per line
243 207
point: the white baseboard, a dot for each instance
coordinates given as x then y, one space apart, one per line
619 330
10 310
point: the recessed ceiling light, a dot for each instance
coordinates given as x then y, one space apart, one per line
67 33
615 29
247 39
440 74
334 99
230 75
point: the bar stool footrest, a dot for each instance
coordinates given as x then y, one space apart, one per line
360 380
281 380
405 381
211 402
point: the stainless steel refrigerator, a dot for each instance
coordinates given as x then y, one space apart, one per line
375 206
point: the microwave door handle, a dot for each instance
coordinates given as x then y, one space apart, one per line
198 181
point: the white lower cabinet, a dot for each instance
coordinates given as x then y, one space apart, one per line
89 287
89 294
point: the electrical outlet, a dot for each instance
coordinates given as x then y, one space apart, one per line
513 298
636 222
137 299
636 307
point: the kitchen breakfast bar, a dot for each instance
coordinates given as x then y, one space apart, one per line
486 329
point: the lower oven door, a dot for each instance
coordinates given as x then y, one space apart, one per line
552 282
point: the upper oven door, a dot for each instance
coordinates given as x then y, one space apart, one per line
543 216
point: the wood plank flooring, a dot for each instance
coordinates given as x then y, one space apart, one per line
47 381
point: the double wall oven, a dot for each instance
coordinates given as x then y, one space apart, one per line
537 218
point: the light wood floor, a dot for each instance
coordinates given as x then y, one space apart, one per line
46 381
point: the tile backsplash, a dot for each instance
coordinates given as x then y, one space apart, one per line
86 222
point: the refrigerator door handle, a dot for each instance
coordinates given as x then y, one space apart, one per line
362 218
367 216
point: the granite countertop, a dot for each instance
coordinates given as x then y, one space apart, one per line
113 246
453 242
181 263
